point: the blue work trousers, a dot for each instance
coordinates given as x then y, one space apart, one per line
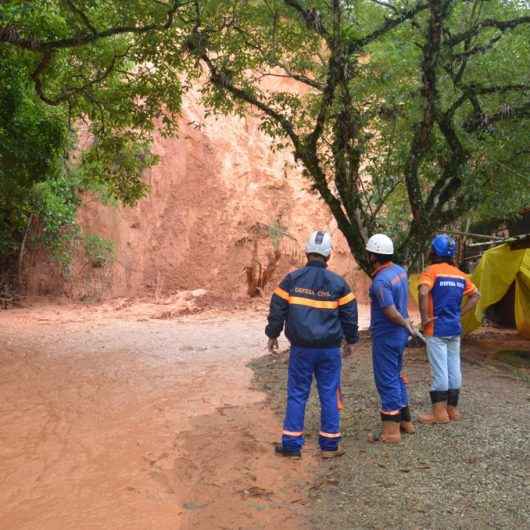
325 363
387 356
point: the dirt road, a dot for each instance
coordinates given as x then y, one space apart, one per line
120 422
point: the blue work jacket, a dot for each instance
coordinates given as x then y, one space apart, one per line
316 306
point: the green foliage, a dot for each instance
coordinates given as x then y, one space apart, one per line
276 233
494 178
94 57
406 116
33 140
54 204
115 166
57 75
99 251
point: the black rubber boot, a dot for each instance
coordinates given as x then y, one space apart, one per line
452 397
406 424
437 396
279 449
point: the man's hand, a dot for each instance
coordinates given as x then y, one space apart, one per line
347 350
471 303
410 328
272 346
426 321
395 316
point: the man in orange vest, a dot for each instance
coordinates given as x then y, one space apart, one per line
442 287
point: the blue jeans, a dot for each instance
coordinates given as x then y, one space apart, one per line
444 356
325 363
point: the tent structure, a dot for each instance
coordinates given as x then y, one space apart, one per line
498 269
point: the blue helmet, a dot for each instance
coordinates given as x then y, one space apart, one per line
444 246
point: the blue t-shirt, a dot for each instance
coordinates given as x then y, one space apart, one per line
389 286
447 286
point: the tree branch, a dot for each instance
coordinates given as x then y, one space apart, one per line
10 35
384 198
450 181
326 102
477 49
84 18
388 25
501 25
392 8
422 136
36 76
221 80
496 89
311 17
68 93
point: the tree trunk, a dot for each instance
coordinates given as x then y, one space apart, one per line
22 252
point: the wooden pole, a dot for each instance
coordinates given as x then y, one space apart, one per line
477 236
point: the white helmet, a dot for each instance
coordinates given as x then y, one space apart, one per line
319 243
380 244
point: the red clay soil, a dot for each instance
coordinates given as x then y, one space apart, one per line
135 423
485 344
216 192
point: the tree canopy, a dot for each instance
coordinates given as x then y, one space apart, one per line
405 115
70 71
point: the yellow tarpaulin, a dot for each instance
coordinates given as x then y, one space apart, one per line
498 268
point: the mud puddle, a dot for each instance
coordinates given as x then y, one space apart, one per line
136 425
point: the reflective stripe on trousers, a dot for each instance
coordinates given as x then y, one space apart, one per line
325 364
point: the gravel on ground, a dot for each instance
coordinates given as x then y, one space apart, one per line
469 474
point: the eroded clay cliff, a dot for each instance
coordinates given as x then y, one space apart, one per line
212 220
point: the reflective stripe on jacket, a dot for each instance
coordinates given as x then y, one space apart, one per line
316 306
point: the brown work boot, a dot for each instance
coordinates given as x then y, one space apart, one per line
332 454
406 424
452 403
453 413
439 410
390 433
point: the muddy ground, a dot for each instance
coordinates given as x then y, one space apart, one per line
113 420
474 474
127 417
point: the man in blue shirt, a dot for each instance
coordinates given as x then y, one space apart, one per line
390 329
442 287
319 311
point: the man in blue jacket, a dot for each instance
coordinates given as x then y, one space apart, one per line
319 311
